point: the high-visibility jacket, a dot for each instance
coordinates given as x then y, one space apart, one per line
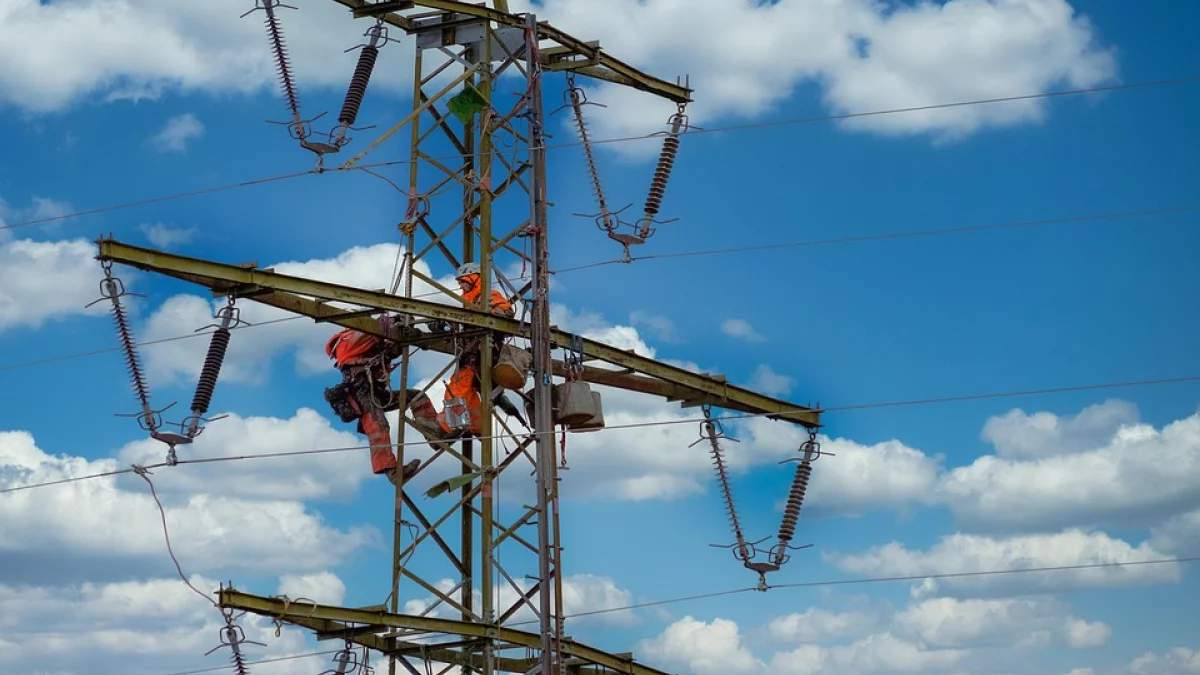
500 304
461 393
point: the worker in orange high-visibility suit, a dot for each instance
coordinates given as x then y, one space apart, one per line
365 393
463 405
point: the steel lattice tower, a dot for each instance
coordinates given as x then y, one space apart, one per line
465 211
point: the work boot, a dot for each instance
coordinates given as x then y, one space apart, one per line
407 470
424 415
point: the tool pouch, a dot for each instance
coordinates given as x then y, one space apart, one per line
338 397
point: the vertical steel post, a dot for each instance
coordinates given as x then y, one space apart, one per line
542 341
486 261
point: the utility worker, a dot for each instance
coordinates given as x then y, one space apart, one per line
365 393
463 406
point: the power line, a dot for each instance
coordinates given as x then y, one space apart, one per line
153 200
802 584
626 139
891 235
814 242
922 108
877 580
635 425
96 352
225 667
188 336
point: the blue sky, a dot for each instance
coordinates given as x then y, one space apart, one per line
925 489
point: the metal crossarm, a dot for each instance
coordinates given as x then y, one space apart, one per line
288 292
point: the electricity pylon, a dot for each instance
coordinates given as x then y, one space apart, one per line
502 167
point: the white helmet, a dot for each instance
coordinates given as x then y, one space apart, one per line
467 269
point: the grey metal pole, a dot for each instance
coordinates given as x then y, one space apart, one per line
540 334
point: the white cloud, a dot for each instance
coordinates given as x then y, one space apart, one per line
1019 435
165 237
41 281
1138 476
323 588
178 131
593 326
971 553
700 648
661 327
251 351
1083 634
1180 535
147 49
858 478
746 60
99 520
956 623
816 625
942 636
741 329
1177 661
146 626
323 476
769 382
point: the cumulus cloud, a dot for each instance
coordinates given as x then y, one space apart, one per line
179 130
146 626
858 478
1138 475
770 382
937 636
1177 661
166 237
1020 435
701 648
276 332
659 326
147 50
741 329
816 625
864 55
114 524
323 476
971 553
324 588
41 281
971 623
1179 535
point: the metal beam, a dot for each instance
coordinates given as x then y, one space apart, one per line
328 619
596 62
246 281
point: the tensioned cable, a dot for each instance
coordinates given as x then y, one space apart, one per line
877 580
816 242
189 336
225 667
804 584
626 139
889 235
635 425
895 111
